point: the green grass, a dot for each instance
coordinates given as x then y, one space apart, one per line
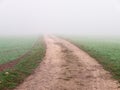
11 48
24 68
106 51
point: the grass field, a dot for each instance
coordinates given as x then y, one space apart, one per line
11 78
105 50
11 48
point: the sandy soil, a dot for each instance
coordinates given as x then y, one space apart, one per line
66 67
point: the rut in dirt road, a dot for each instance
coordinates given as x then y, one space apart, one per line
66 67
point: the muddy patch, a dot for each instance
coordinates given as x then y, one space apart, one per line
70 68
12 63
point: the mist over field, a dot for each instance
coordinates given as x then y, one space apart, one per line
80 49
84 17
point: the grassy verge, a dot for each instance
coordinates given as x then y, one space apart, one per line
9 79
106 52
13 47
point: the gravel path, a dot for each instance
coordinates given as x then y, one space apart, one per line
66 67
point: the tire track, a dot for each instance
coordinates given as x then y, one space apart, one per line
66 67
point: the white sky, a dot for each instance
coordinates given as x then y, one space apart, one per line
60 16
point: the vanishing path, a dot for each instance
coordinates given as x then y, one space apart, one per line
66 67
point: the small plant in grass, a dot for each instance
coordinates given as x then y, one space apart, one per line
10 78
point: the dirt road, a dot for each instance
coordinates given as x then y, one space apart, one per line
66 67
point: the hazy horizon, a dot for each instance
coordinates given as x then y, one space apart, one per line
83 17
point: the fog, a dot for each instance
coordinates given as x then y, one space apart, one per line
84 17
